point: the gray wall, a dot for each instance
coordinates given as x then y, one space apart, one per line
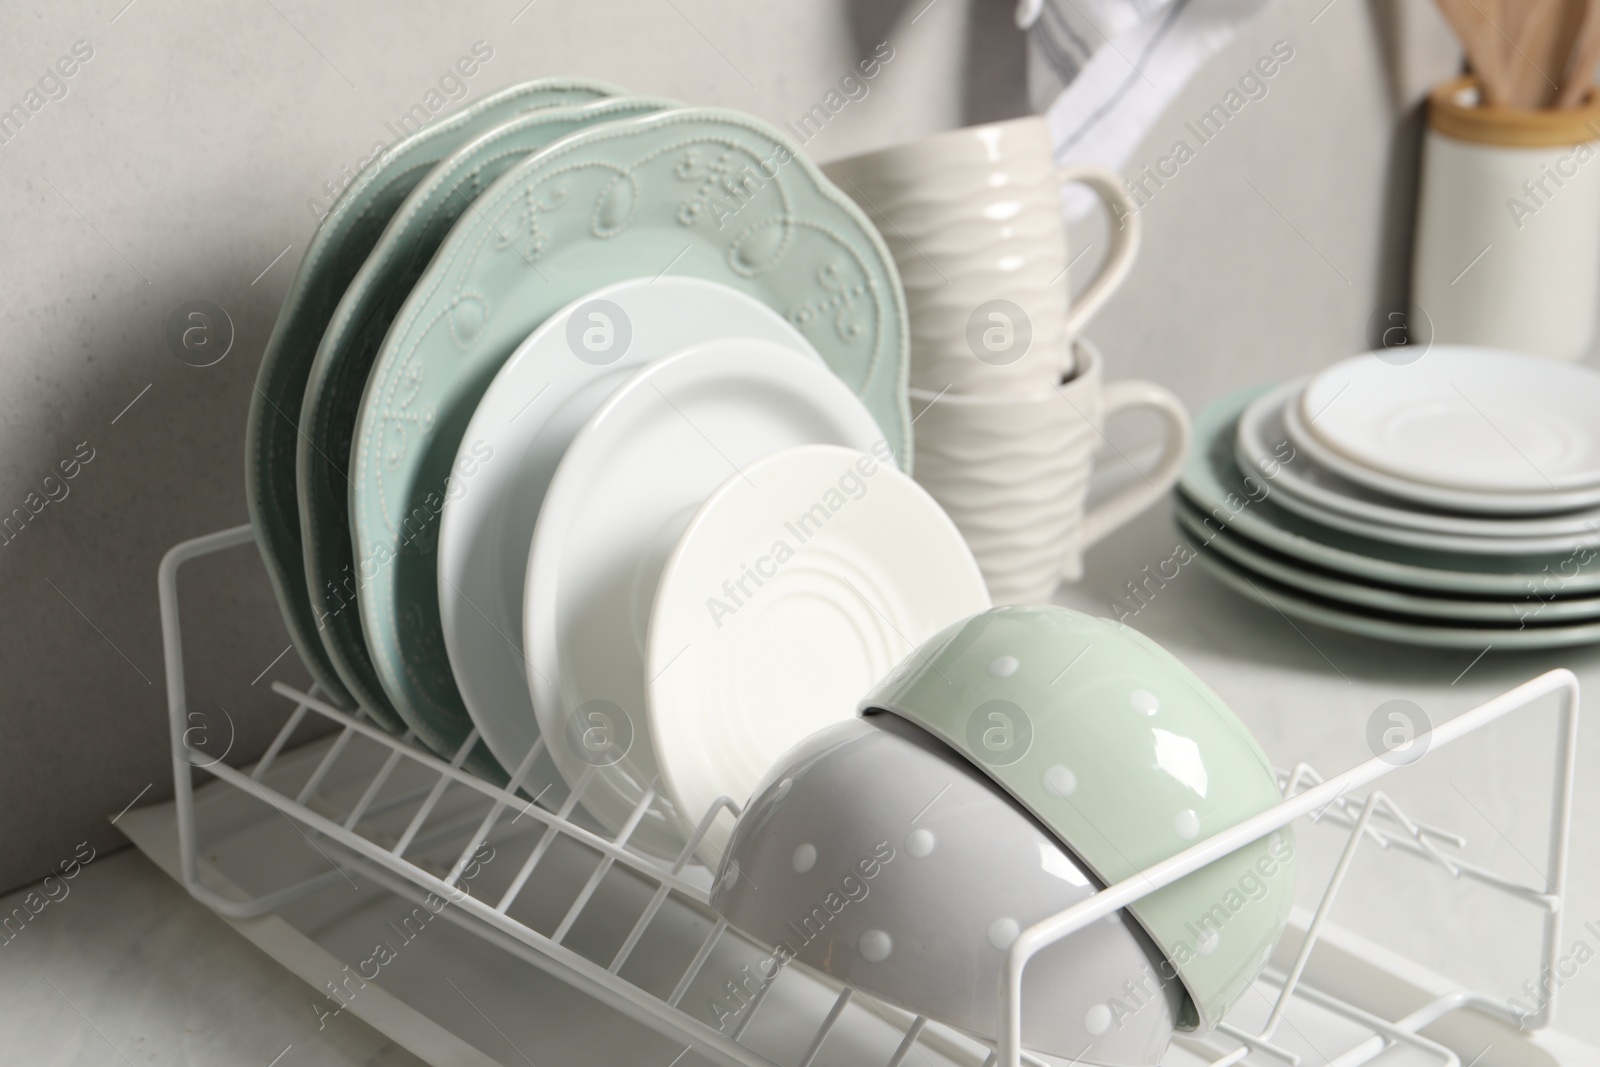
178 166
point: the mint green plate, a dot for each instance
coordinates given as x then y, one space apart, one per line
1511 613
681 193
336 251
1130 759
351 343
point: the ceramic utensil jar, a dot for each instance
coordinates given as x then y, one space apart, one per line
1013 472
1508 224
973 220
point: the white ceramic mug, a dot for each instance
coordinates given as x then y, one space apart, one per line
1508 225
973 220
1013 472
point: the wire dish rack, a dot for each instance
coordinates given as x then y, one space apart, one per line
639 934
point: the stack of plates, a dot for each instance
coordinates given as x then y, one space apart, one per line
575 453
1452 501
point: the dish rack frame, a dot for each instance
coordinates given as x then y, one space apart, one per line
1373 817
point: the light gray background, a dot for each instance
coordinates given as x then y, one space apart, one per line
179 166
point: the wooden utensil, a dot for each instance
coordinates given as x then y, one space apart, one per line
1579 76
1536 70
1482 40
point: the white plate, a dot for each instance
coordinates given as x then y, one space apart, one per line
1435 496
1482 420
1265 450
795 588
517 435
628 485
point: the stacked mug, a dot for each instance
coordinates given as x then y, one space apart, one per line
1008 401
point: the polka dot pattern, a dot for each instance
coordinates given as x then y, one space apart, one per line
1186 824
875 946
1059 781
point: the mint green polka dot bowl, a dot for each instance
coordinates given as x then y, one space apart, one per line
1129 758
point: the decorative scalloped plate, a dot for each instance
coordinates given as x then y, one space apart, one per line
337 250
351 343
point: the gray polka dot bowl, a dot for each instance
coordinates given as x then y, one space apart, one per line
876 854
1129 758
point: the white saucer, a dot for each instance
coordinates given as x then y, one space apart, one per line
1435 496
509 452
1265 451
1480 420
795 588
629 484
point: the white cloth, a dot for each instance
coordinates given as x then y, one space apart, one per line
1103 71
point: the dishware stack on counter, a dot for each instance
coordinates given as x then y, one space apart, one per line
1451 499
988 787
1008 398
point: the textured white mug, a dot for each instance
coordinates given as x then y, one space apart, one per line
1013 472
973 219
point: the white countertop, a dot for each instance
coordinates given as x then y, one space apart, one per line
126 968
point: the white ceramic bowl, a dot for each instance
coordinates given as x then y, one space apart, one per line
876 854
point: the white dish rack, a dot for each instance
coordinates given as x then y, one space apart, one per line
638 934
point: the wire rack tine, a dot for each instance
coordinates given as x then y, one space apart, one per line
828 1024
602 868
270 756
698 962
551 830
370 794
749 1014
639 927
434 794
329 758
907 1042
495 811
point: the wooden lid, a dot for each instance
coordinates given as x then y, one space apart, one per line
1455 109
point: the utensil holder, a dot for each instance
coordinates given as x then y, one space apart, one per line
1507 247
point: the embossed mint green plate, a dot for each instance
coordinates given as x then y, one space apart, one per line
336 251
351 343
683 192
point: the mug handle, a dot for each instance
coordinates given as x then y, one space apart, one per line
1110 514
1124 239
